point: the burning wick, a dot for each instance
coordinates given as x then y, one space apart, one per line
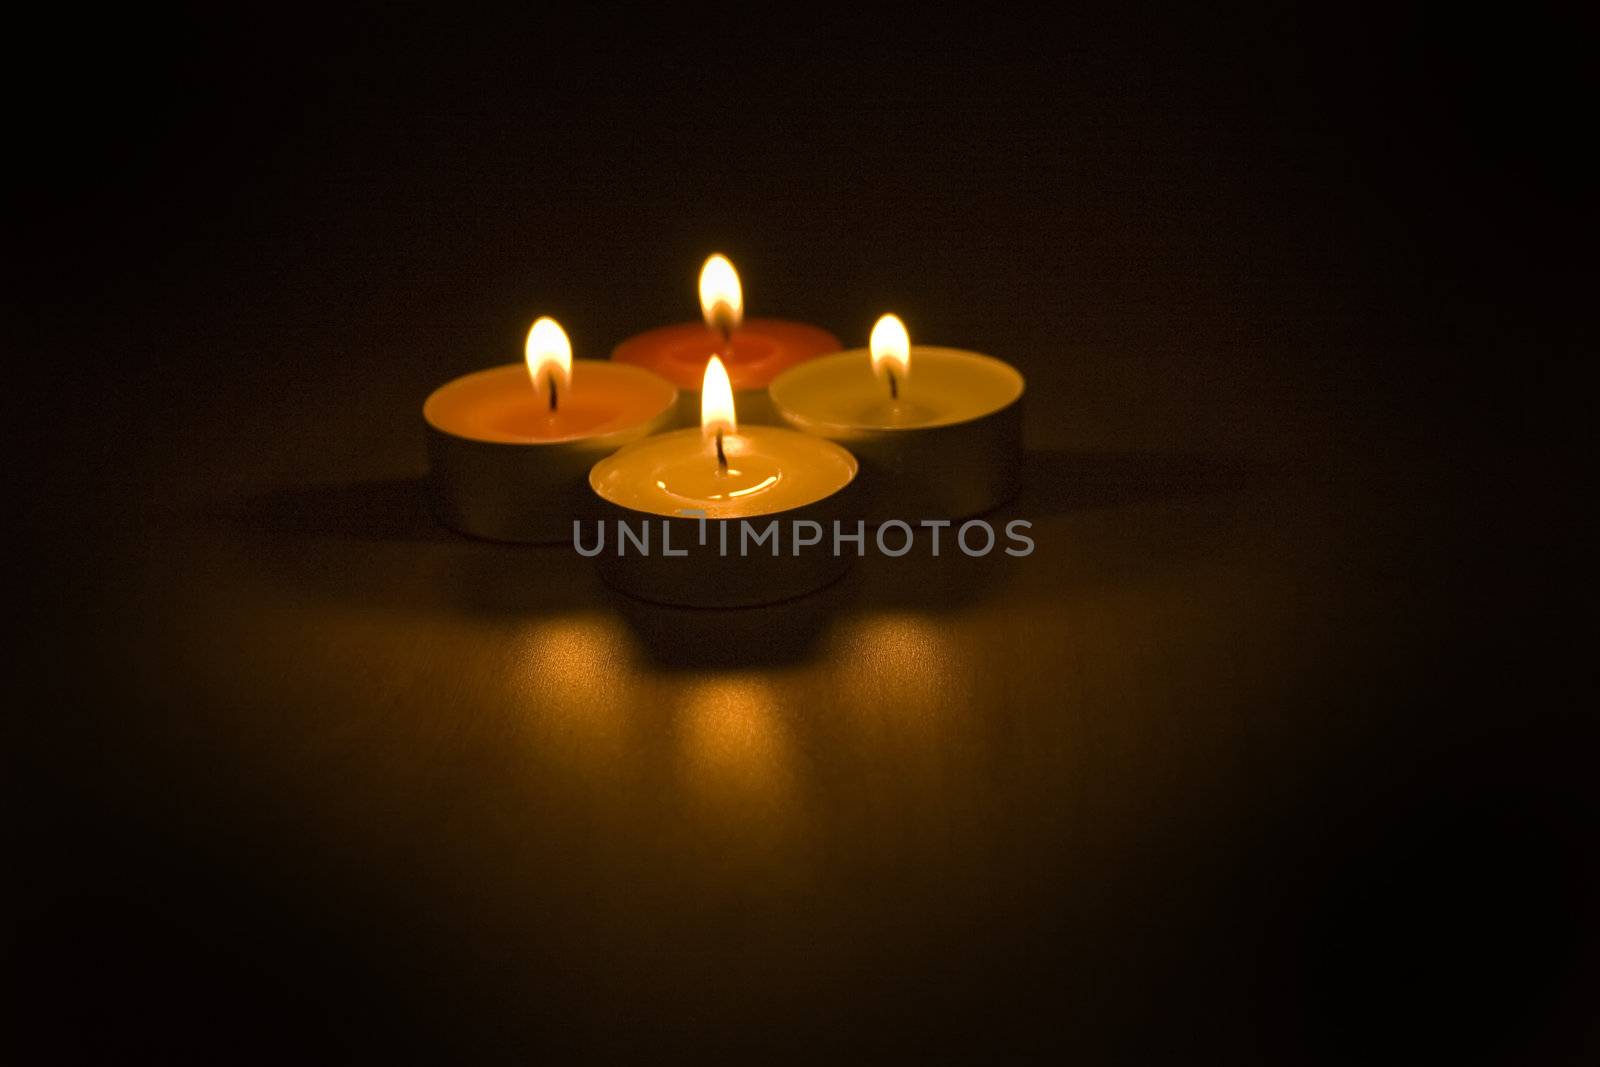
890 349
549 356
721 299
723 320
717 415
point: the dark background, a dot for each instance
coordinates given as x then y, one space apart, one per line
1279 750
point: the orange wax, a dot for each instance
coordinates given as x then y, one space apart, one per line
500 405
762 349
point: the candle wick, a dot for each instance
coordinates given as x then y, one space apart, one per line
553 399
894 386
722 319
722 457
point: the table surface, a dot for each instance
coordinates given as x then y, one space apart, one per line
1259 756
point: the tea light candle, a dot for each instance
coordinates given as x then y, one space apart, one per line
721 516
938 431
509 447
754 351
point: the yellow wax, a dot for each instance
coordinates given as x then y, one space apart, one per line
500 404
945 386
769 470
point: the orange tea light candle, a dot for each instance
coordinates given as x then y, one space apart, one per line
754 351
722 514
938 431
509 447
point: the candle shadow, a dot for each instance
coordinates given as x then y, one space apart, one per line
768 635
377 542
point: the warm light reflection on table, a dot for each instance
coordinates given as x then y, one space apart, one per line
892 688
575 675
737 752
902 667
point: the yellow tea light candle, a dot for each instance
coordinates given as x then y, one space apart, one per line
509 447
938 431
719 515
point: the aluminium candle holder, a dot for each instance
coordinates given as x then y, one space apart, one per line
689 561
949 470
705 577
526 491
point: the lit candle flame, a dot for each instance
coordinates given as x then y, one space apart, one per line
717 416
891 353
549 356
721 297
716 400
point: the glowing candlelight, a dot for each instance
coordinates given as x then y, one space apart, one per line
721 297
548 354
890 346
717 416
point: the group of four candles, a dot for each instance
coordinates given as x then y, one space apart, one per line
518 452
